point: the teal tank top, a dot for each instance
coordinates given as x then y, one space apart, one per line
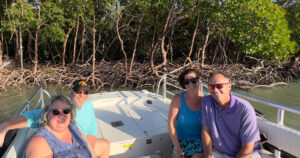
188 123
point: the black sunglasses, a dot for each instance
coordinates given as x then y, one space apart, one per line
193 80
57 112
84 92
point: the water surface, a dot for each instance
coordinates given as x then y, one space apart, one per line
288 95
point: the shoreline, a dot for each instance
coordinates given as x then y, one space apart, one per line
111 75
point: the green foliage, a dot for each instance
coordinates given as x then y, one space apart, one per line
293 17
259 27
48 70
255 27
52 22
25 18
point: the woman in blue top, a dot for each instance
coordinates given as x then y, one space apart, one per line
184 119
58 135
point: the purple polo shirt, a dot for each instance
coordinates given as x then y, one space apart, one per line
231 127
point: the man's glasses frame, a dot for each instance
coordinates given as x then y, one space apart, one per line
218 86
193 80
65 111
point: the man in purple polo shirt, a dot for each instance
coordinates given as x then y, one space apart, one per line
229 127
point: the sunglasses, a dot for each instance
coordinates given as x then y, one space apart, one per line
84 92
193 80
56 112
218 86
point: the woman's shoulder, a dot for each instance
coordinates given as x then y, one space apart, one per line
38 140
177 97
38 147
176 100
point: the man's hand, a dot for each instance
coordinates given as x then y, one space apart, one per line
2 135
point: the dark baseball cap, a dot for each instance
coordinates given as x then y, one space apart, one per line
79 85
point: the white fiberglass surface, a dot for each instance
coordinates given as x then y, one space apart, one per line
139 118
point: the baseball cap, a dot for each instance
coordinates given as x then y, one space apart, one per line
79 85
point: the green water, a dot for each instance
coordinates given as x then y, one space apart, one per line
12 99
288 95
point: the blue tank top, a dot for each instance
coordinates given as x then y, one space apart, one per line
79 148
188 123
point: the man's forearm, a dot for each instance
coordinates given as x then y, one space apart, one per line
92 140
245 151
207 144
14 123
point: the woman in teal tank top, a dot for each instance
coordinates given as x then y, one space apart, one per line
184 118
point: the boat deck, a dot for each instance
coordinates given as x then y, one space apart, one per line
135 122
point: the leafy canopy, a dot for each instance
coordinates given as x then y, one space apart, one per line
259 28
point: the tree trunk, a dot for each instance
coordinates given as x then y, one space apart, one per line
121 43
205 45
83 42
96 47
17 49
135 44
21 38
29 45
188 58
21 47
1 43
1 47
152 59
94 50
36 42
106 49
153 47
163 51
170 45
222 46
75 41
65 45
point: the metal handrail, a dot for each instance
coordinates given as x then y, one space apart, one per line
280 107
25 106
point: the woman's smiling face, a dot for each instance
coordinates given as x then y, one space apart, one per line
61 121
